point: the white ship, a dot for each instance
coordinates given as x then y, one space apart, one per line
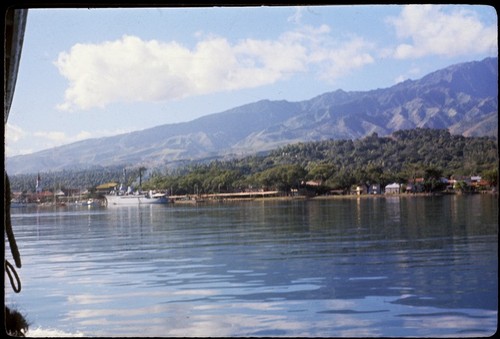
136 199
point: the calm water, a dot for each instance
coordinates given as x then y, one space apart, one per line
409 266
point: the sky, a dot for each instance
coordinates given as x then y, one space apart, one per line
91 73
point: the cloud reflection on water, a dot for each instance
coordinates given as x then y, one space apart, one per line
280 269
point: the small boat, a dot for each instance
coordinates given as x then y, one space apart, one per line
136 199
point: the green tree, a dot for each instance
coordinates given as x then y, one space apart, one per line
343 179
283 177
491 176
321 171
432 179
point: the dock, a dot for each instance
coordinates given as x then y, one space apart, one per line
194 198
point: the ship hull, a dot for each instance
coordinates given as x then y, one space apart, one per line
134 200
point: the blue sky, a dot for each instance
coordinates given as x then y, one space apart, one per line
89 73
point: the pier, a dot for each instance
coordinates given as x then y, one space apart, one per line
193 198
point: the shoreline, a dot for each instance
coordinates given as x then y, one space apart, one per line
217 199
212 199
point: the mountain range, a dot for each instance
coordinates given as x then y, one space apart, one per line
462 98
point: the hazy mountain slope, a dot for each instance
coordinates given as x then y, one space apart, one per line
462 98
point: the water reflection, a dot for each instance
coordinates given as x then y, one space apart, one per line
399 266
393 209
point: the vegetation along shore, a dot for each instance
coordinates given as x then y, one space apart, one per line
407 161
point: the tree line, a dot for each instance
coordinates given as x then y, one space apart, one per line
336 164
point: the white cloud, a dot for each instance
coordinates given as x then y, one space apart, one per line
351 55
54 136
296 17
18 141
14 133
83 135
49 139
133 70
13 136
57 138
436 30
411 73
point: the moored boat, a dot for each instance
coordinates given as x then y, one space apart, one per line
136 199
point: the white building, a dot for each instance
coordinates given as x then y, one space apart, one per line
393 188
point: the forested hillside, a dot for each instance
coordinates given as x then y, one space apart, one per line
417 148
338 164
